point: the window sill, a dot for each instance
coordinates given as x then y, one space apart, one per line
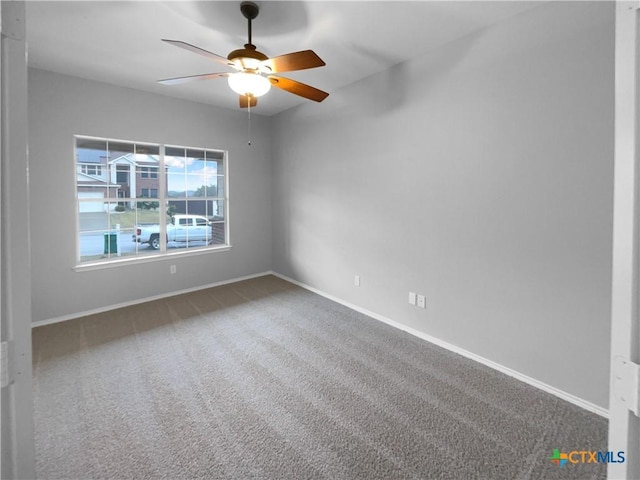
85 267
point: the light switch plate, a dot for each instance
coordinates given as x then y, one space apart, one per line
412 298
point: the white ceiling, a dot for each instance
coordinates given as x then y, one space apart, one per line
119 42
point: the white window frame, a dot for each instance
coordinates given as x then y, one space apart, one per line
163 198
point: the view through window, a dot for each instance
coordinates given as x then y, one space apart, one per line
138 199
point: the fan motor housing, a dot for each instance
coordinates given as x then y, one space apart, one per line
249 51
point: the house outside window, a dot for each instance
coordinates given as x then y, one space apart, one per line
128 210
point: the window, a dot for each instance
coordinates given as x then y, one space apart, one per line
127 209
91 169
148 172
122 177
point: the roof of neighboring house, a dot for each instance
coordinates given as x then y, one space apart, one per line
133 159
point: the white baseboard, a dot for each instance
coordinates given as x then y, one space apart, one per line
64 318
465 353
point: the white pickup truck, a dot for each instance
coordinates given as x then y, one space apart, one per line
183 228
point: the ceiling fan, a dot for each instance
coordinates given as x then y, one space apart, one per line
255 73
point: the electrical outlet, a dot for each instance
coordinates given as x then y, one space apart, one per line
422 301
412 298
172 269
356 280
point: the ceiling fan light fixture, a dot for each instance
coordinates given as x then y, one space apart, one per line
255 72
249 84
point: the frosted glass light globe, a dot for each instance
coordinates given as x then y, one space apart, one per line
250 84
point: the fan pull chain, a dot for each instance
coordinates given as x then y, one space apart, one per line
249 122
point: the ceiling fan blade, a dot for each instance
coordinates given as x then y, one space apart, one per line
246 101
298 88
192 78
294 61
200 51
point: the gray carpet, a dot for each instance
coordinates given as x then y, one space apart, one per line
262 379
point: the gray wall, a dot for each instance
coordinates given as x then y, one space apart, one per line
479 175
61 106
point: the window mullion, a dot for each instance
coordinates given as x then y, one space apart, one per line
162 195
227 230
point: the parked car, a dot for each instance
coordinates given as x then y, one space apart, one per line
183 228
